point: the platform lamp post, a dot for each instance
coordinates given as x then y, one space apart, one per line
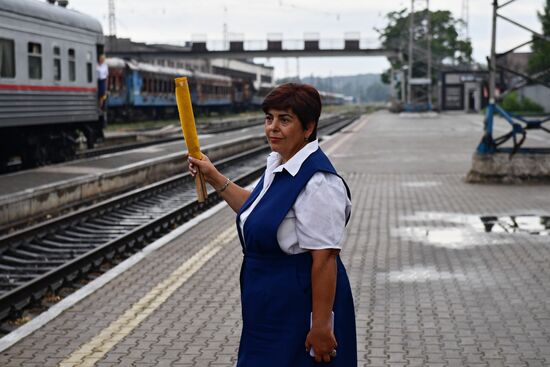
402 71
404 83
429 46
411 48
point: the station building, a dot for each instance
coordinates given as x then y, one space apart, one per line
464 90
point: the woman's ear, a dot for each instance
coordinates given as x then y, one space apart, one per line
310 127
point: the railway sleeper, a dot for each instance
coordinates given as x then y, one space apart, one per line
73 240
61 253
45 263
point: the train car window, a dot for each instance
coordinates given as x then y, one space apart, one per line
72 65
89 70
56 63
35 60
7 58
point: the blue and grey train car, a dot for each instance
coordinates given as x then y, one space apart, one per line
211 92
48 82
262 89
328 98
141 90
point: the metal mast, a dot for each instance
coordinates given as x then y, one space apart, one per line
493 60
465 16
419 78
112 19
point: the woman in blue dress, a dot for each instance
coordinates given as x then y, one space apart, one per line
297 305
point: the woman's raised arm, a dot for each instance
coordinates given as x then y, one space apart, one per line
233 194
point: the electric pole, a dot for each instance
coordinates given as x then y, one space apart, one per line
112 19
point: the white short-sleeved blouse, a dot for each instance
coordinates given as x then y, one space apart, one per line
318 217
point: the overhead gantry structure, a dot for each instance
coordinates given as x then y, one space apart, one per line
310 46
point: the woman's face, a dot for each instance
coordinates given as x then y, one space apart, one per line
285 133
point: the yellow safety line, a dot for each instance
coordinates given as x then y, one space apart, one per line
345 138
101 344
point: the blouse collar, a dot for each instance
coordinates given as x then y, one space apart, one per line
293 165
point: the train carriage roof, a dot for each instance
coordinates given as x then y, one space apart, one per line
116 62
53 13
201 75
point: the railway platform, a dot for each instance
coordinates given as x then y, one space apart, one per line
444 273
38 194
33 193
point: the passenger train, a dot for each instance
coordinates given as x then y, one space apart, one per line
138 90
48 85
48 82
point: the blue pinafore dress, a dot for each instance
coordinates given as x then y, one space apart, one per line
276 291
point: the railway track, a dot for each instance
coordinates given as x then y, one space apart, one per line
44 257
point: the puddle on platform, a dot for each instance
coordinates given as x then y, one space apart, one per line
421 183
531 224
452 230
422 274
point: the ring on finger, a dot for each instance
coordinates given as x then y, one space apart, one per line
333 353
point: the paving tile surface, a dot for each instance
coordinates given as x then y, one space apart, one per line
431 287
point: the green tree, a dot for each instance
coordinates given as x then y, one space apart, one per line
539 61
447 47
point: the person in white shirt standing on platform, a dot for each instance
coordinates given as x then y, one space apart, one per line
296 298
102 75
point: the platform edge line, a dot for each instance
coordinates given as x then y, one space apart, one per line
54 311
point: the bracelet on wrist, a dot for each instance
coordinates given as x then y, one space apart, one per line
225 185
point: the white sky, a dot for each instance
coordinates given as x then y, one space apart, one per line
176 21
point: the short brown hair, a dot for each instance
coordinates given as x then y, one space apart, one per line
302 99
